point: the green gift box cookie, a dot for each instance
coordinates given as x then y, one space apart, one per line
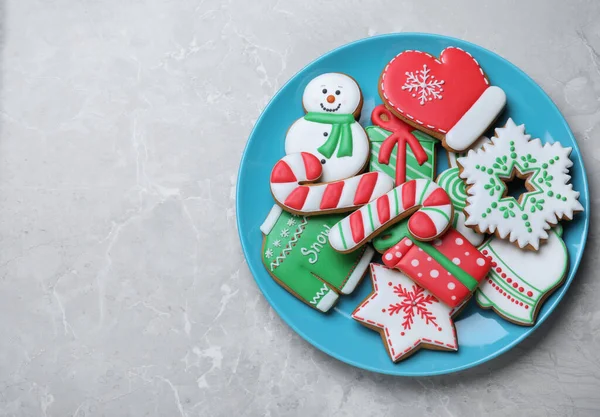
413 170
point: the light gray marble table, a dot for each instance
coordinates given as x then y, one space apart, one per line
123 289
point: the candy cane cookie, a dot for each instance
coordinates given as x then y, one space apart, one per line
432 218
290 190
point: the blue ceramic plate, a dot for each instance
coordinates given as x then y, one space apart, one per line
482 335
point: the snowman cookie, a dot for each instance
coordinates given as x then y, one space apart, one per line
520 281
329 129
544 167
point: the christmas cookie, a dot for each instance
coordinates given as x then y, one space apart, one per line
291 173
431 219
296 254
398 149
456 188
520 281
329 129
450 98
544 168
450 181
450 267
407 316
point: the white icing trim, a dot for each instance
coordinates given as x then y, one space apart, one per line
358 272
327 301
271 219
477 119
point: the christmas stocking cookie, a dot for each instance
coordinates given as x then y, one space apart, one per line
519 280
450 98
297 255
407 316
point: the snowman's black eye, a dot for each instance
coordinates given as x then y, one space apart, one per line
337 92
323 161
324 91
325 134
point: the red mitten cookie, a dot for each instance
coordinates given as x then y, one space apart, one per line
450 98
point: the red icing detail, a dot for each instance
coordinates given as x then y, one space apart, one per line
282 173
390 284
485 252
503 275
437 198
331 195
509 280
365 188
421 226
521 303
297 197
439 286
463 78
402 333
529 294
383 310
357 227
408 194
498 269
494 264
383 209
490 281
401 136
521 289
526 307
312 165
515 285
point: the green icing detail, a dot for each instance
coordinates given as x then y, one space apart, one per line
340 137
413 170
370 216
458 273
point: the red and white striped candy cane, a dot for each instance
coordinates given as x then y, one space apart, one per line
292 171
431 220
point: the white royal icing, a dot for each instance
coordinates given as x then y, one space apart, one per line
308 136
271 219
477 119
527 222
520 280
347 101
409 316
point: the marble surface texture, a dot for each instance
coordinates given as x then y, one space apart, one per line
122 124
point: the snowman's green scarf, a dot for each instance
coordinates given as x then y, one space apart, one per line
340 136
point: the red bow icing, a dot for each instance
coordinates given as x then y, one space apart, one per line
401 136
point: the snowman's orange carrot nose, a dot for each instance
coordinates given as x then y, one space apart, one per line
330 99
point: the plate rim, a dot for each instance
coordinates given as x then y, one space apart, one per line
565 286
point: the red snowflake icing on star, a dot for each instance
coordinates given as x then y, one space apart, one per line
413 303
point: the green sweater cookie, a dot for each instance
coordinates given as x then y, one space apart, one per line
297 254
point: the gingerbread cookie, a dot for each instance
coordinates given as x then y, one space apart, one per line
398 149
407 316
329 129
545 168
291 173
520 281
450 98
296 254
432 218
